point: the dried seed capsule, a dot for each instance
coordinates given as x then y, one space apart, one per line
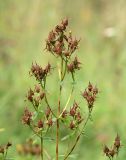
37 88
40 124
42 94
72 125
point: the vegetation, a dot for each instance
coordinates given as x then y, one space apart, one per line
24 27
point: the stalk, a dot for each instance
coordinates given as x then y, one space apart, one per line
41 138
78 137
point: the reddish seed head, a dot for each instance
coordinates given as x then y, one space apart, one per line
47 113
2 150
51 36
78 118
117 143
65 22
30 95
90 87
27 117
40 124
72 125
9 144
95 90
85 94
42 94
47 68
50 122
37 88
106 150
64 114
37 101
90 94
72 112
112 153
75 106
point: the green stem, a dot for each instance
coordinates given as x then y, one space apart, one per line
5 155
57 139
69 98
78 137
62 78
41 138
46 100
34 131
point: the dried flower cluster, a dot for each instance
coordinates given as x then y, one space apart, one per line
59 43
27 117
29 148
4 149
90 94
40 73
110 153
74 65
62 45
35 96
73 116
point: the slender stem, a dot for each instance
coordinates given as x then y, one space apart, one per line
34 131
78 137
47 154
46 100
5 154
67 102
61 67
58 111
57 139
64 71
41 138
57 132
34 106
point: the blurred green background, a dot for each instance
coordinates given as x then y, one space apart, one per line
101 25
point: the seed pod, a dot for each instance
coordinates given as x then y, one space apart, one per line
117 143
64 114
9 144
50 122
72 125
42 94
47 113
40 124
90 87
2 150
106 150
37 88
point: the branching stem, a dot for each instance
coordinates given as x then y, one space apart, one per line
78 137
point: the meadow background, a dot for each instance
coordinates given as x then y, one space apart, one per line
101 25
